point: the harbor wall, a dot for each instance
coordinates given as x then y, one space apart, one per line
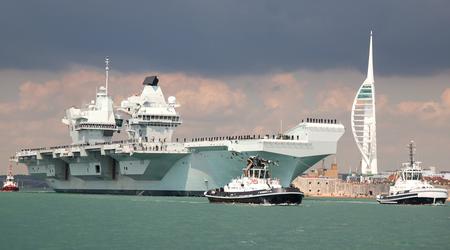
327 187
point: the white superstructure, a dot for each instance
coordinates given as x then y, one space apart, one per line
363 120
95 122
149 116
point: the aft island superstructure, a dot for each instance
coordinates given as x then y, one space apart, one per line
150 162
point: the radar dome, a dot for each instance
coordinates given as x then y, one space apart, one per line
172 100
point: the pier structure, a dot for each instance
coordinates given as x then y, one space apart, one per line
363 120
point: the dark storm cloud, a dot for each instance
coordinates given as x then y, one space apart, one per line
226 37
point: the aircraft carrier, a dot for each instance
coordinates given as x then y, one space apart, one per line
149 162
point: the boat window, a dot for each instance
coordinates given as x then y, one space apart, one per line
408 176
261 175
97 168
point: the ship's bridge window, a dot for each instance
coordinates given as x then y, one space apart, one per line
261 174
408 176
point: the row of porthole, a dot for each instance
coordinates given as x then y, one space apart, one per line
318 183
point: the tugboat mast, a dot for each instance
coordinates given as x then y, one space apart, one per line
411 154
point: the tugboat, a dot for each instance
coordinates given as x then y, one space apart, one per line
10 185
255 186
410 188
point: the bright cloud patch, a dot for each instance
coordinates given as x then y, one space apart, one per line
251 104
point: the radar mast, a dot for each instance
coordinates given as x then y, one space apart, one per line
106 74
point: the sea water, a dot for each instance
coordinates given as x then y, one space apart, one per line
70 221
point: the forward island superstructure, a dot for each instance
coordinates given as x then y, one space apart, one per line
150 162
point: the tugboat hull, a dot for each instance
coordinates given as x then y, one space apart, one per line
10 189
291 196
436 196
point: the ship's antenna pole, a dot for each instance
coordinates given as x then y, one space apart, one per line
281 127
106 72
411 153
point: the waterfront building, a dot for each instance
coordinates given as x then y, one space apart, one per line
319 186
363 120
322 172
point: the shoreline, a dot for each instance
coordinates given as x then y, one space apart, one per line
348 197
341 196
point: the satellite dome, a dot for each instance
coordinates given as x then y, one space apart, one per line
172 100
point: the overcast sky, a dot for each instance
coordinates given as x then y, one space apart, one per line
245 65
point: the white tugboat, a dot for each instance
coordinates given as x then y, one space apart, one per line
10 185
256 186
410 188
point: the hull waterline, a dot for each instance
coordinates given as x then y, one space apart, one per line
277 197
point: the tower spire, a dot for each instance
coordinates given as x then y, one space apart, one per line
370 78
363 119
106 72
